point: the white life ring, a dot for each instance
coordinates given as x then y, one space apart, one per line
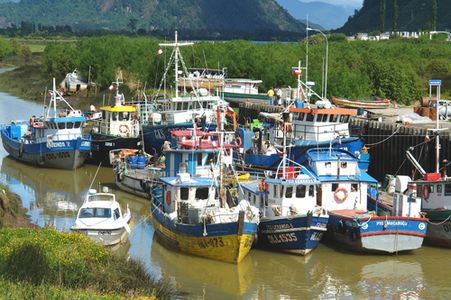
123 129
340 197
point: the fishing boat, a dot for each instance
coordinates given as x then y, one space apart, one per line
119 128
433 189
291 221
193 152
365 104
163 114
308 126
193 215
55 140
100 218
344 190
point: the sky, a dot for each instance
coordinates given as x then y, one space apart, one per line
352 3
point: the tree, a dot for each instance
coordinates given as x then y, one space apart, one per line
382 15
395 16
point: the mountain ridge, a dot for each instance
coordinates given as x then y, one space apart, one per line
154 15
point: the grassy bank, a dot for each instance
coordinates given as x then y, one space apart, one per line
48 264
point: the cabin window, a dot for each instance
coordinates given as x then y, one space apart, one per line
77 124
199 159
300 191
184 193
255 199
281 192
275 191
70 125
346 119
311 191
328 164
124 116
114 116
439 189
420 191
344 164
289 192
301 116
310 117
333 118
202 193
447 190
322 118
334 187
95 212
47 124
61 125
116 214
354 187
103 115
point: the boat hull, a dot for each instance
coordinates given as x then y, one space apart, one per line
298 234
389 234
69 155
439 228
223 242
130 184
103 144
105 237
370 104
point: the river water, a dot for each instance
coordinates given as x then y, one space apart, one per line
53 196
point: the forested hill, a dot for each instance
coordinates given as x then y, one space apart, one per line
211 17
400 15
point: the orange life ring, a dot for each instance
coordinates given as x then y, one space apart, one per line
425 192
263 186
123 129
168 197
238 141
338 198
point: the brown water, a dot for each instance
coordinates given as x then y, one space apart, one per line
52 197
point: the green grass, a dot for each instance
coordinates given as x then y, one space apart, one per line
71 261
24 290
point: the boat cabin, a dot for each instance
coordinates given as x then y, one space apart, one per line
119 120
276 197
343 184
435 192
185 109
321 124
100 206
241 86
188 198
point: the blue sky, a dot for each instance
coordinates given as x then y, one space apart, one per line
352 3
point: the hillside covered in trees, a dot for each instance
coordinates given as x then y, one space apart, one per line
396 69
400 15
211 18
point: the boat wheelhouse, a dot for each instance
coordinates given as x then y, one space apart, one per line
55 140
344 189
119 128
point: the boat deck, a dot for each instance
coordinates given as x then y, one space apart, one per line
348 213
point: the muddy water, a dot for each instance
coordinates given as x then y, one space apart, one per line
53 196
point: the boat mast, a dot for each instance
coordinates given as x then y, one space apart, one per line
176 45
437 84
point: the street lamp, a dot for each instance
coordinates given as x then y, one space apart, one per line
327 55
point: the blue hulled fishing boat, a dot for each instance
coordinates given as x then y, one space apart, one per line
291 220
55 140
344 188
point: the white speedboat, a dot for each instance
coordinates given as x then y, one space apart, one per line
100 217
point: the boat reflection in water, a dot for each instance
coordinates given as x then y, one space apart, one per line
201 276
